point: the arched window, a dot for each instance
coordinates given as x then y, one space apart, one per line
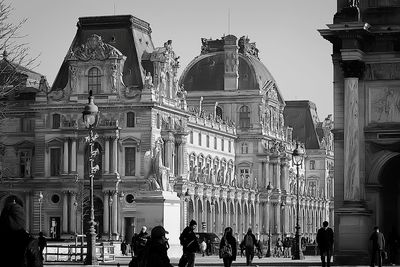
245 148
56 121
130 119
244 117
94 80
312 164
218 112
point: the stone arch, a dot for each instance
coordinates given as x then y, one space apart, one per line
199 215
232 212
379 161
191 210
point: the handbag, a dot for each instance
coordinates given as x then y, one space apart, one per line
226 250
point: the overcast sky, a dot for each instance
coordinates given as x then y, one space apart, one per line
285 32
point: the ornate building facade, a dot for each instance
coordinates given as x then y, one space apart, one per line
215 139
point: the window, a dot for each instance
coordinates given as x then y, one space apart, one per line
215 143
244 117
130 159
199 139
218 112
229 146
130 119
27 125
222 144
245 148
25 160
208 141
312 164
55 161
158 121
56 121
94 80
191 137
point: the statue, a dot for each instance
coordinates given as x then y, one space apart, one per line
155 172
148 81
73 77
255 183
234 181
213 175
181 95
148 169
215 109
220 176
200 107
163 83
28 167
114 74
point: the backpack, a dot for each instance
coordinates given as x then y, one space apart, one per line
248 241
226 250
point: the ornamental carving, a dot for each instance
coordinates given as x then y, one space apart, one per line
382 71
247 48
272 93
94 48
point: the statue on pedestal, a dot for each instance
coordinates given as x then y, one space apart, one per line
155 172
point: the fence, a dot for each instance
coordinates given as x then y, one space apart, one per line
77 253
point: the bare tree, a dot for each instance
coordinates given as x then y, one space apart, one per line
17 60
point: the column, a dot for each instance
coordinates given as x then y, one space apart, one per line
277 167
72 213
267 174
277 207
65 213
27 212
73 155
169 150
284 175
181 155
115 155
107 156
114 222
286 214
106 213
65 166
267 216
260 175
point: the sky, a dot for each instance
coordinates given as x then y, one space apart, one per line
285 33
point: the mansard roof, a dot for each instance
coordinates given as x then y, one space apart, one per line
126 33
302 116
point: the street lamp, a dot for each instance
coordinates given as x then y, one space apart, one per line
110 202
297 158
90 117
40 210
269 190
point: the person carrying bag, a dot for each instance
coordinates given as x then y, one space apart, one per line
227 247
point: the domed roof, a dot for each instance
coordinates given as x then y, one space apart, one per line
206 72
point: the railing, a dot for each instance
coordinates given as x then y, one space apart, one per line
77 253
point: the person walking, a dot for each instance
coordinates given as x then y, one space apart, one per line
140 243
248 243
42 242
124 247
155 254
378 246
190 245
227 247
325 243
17 247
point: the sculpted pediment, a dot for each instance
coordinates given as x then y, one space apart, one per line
94 49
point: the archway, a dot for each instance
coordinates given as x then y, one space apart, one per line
98 215
200 216
389 204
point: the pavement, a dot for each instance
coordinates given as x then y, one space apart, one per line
216 261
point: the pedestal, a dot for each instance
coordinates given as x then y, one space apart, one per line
161 208
352 235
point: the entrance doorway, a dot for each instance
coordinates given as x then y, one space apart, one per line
390 207
130 228
55 227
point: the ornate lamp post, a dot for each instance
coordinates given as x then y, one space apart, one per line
110 202
90 117
40 210
297 158
269 189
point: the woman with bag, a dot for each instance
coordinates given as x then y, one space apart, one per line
227 247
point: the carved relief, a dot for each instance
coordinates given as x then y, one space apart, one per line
384 105
272 93
94 48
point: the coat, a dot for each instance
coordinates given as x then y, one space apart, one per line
231 241
325 238
156 254
189 241
378 241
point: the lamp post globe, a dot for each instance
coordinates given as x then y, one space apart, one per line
90 116
297 158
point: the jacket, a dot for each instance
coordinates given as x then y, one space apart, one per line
156 254
231 241
189 241
378 241
325 238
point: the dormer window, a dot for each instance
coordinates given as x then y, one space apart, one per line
94 80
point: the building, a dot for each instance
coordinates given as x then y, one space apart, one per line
319 163
365 45
169 150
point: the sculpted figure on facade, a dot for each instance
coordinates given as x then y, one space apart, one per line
163 82
181 94
155 172
220 176
228 177
94 48
234 180
213 175
73 77
114 78
148 81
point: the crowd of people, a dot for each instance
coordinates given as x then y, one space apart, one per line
19 248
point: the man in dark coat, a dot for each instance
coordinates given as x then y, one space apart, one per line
378 246
140 243
17 247
325 243
248 243
156 249
190 245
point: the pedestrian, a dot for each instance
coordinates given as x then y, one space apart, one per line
378 246
325 243
140 243
190 245
133 244
203 247
123 248
17 247
227 247
209 250
42 242
155 254
248 243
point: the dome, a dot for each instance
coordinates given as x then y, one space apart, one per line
207 71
